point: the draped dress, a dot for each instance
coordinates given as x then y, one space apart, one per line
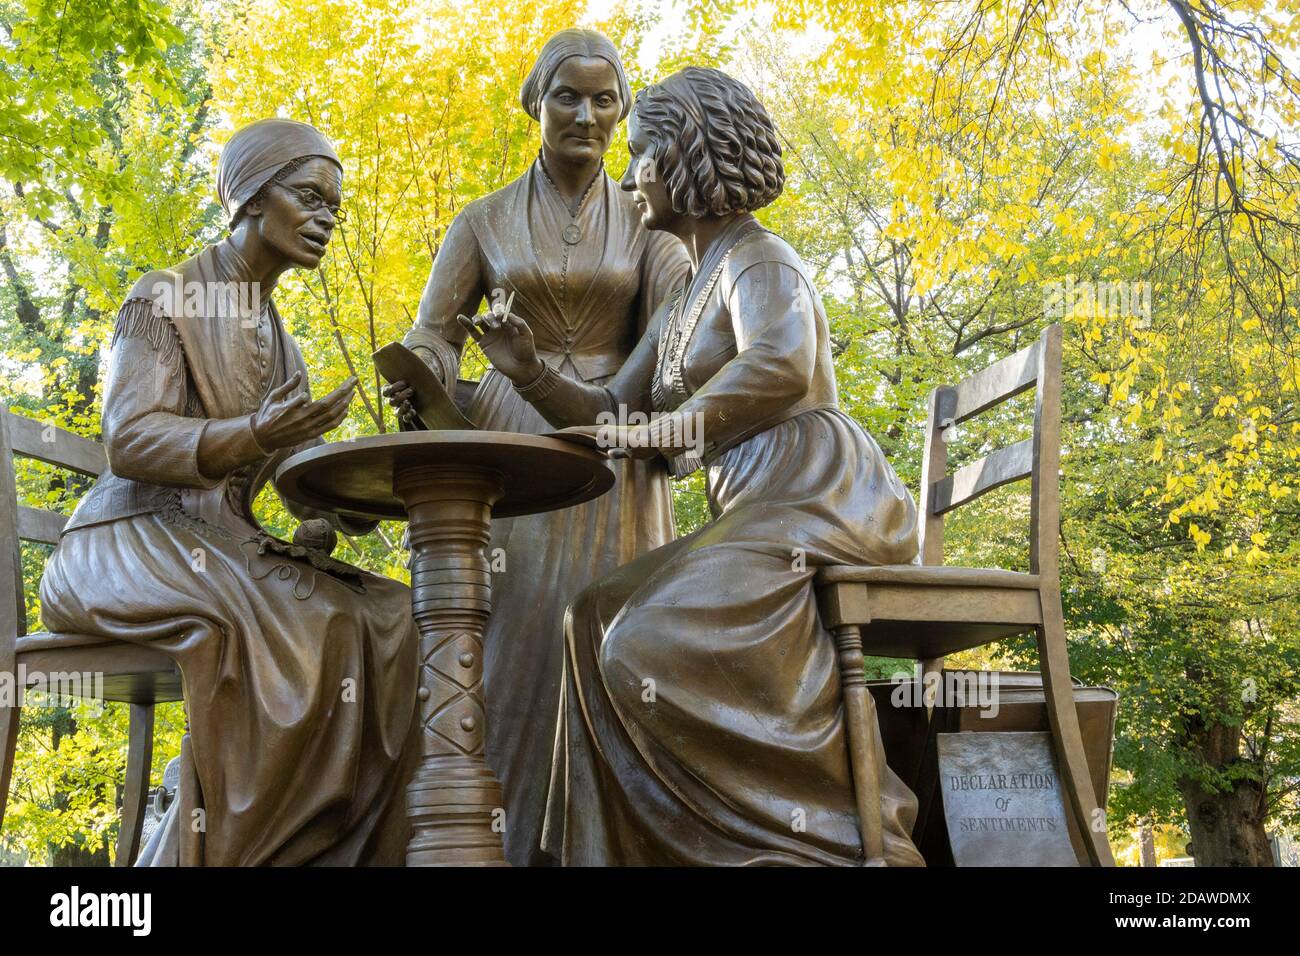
299 670
587 303
700 721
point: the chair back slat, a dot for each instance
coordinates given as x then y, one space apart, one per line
13 607
1045 499
933 466
998 468
1037 458
55 446
43 527
22 437
997 383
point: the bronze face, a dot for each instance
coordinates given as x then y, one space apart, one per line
643 181
296 216
581 109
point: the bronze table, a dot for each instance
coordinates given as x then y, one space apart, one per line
449 485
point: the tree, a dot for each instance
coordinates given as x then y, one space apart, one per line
1181 413
102 108
959 176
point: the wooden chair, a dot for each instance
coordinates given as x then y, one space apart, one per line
132 673
925 612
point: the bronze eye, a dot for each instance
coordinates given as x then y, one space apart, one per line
313 201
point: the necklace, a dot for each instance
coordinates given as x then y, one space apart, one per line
682 328
572 234
668 387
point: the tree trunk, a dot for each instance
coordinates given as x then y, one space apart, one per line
1227 827
1147 844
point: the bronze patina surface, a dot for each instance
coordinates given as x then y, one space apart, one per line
206 394
570 247
448 484
700 720
355 477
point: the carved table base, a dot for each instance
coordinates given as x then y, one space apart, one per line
448 485
454 800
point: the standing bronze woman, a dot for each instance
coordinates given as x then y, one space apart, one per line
700 720
585 273
299 670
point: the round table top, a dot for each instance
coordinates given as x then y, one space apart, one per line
355 477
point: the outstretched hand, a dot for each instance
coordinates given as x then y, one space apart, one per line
287 418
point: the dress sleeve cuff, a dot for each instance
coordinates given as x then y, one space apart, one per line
227 444
439 354
536 390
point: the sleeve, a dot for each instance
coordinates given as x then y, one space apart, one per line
455 287
665 268
147 435
773 320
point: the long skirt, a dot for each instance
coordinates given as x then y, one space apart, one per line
300 684
701 719
546 560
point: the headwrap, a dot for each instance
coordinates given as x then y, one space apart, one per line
559 48
258 151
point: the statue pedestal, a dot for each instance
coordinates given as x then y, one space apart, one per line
449 485
988 711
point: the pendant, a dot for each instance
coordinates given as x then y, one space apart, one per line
572 234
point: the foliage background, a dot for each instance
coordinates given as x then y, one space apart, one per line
950 167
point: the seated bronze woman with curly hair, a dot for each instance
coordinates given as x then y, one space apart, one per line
700 714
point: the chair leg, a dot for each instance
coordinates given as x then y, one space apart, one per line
9 718
192 823
1064 718
932 665
139 758
860 729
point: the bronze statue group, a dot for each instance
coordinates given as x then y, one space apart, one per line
651 699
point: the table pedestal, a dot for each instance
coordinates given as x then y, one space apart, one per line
449 485
454 800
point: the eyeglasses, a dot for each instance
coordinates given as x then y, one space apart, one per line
311 200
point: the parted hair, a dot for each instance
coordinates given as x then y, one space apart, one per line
715 146
559 48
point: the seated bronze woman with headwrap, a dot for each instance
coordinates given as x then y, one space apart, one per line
700 714
299 670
